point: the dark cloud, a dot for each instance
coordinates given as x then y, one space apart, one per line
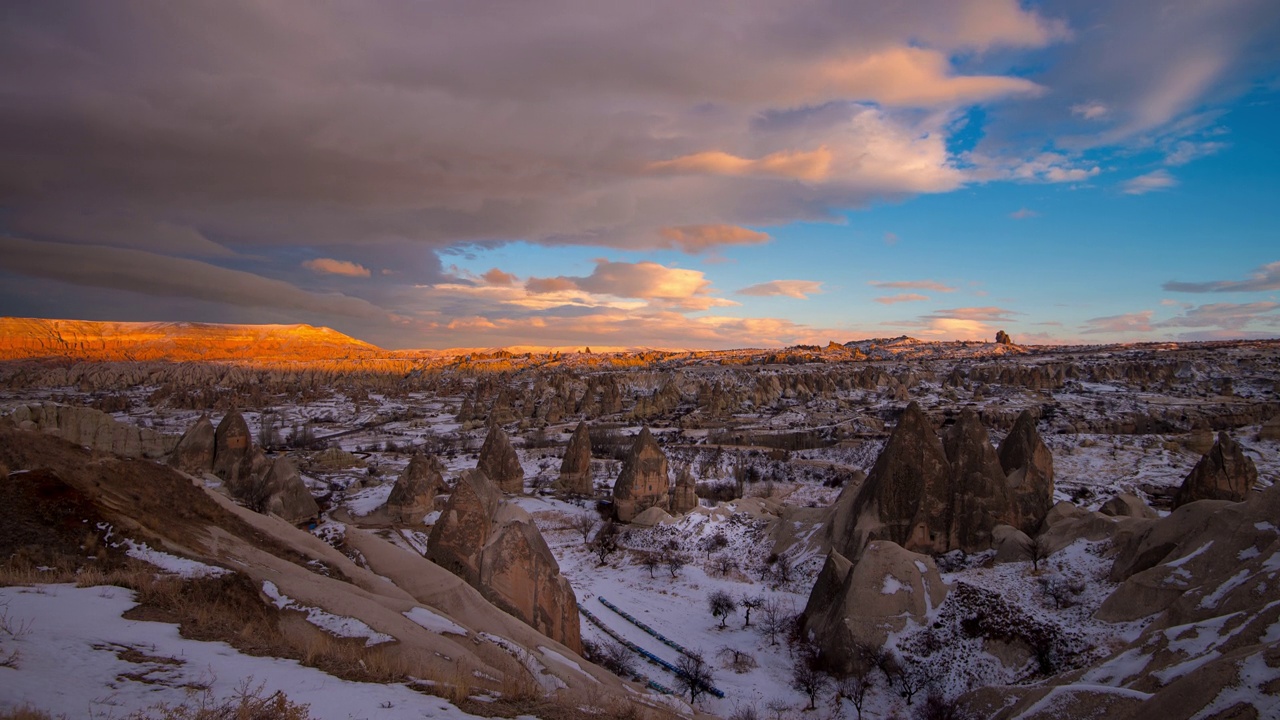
1265 278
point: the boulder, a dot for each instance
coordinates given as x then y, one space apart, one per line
575 469
500 463
288 495
1128 505
497 549
335 458
414 494
1011 544
644 481
1270 430
232 448
979 496
1028 465
1066 523
906 498
1223 473
863 601
195 450
684 496
653 516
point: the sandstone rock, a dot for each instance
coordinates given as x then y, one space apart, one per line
1011 544
1128 505
1003 338
1065 523
653 516
1028 464
1270 430
684 496
288 495
863 602
575 469
195 449
464 526
644 481
1224 473
906 498
979 496
500 463
1198 441
414 494
498 550
233 447
335 458
91 428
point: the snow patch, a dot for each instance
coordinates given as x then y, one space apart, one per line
180 566
438 624
336 625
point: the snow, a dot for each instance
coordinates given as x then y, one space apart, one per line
368 500
1188 558
549 683
1049 701
893 586
336 625
567 662
68 665
434 622
180 566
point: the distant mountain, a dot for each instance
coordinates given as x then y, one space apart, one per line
29 338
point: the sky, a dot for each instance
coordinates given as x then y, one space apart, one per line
718 174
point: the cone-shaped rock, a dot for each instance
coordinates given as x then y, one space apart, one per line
233 447
414 493
980 501
498 461
906 498
195 449
463 528
575 469
643 481
288 495
684 496
1028 464
1224 473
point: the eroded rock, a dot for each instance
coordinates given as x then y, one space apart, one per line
575 469
1223 473
644 481
414 494
500 463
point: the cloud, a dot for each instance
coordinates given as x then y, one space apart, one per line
975 314
798 289
329 266
1092 110
1263 279
1150 182
161 276
550 285
813 165
678 288
914 77
1227 316
700 238
1184 151
1023 214
901 298
497 277
1138 322
933 285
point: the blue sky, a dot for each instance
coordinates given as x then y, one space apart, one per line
749 173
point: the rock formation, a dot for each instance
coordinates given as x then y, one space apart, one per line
91 428
414 493
232 448
575 469
643 482
860 603
498 550
195 450
1224 473
979 497
500 463
1029 466
286 494
1003 338
1128 505
684 496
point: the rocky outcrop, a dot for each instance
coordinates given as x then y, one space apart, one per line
644 481
575 468
93 429
1128 505
862 602
1029 466
906 498
287 495
498 550
979 497
500 463
1002 338
195 450
1223 473
684 496
232 448
414 494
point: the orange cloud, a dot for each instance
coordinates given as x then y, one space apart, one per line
912 285
699 238
901 298
814 165
798 289
497 277
907 76
329 266
550 285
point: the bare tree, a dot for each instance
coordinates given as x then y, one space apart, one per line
911 675
807 677
1036 550
722 605
650 561
605 543
1061 589
855 688
693 675
584 524
740 661
675 563
725 564
775 617
749 603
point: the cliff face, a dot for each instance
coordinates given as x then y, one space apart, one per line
29 338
